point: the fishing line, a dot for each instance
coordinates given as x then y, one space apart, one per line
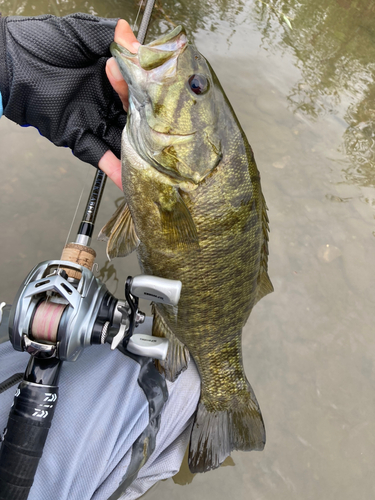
77 207
136 19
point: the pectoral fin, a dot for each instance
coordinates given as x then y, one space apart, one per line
119 232
176 220
106 230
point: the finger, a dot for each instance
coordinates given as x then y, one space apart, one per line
125 36
112 167
117 81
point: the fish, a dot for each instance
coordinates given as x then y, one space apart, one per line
194 211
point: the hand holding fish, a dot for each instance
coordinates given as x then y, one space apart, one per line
109 163
52 77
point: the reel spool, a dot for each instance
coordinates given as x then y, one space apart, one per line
46 321
53 308
48 313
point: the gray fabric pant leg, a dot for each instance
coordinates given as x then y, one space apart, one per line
100 413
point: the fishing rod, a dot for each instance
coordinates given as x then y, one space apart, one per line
100 177
60 309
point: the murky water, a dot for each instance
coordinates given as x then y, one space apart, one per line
305 96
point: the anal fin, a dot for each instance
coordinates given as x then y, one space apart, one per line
178 356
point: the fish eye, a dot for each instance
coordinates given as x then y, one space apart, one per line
198 84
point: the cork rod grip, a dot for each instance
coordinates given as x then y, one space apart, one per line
79 254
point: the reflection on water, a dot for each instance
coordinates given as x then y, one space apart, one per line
334 45
108 272
184 476
333 42
305 96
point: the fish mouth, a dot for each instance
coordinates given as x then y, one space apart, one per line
171 40
118 50
157 139
153 63
156 53
164 137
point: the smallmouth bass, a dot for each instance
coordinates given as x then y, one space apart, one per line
194 211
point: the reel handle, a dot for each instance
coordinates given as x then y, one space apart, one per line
147 345
156 289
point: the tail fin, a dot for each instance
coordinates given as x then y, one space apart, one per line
216 434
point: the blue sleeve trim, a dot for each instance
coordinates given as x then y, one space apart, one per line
1 106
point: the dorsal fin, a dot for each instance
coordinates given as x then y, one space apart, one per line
264 283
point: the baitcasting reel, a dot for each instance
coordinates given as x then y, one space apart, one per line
61 308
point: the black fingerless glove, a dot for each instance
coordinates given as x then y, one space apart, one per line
52 76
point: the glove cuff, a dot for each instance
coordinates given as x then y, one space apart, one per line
4 76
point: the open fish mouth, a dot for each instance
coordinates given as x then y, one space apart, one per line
117 50
155 54
170 123
154 63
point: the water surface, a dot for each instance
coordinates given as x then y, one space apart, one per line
305 97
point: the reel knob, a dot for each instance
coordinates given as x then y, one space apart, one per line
148 345
156 289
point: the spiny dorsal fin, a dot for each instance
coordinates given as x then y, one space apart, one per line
119 232
178 356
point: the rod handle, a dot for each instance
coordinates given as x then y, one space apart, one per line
26 433
79 254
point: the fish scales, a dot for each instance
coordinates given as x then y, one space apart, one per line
198 215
